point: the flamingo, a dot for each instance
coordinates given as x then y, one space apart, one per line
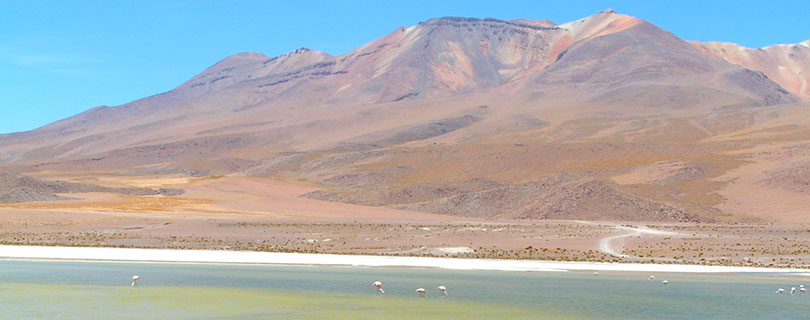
780 291
651 278
135 279
665 282
421 292
802 289
443 290
793 290
379 286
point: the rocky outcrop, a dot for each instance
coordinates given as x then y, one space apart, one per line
560 198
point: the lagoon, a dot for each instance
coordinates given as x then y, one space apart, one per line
31 289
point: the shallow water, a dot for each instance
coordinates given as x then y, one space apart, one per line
100 290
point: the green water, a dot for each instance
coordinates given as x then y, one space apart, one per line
89 290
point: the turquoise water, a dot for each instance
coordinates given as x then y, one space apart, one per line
92 290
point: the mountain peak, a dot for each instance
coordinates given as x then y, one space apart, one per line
602 23
250 65
304 52
248 56
238 59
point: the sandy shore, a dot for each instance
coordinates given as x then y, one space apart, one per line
221 256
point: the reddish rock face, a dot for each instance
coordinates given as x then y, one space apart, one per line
786 64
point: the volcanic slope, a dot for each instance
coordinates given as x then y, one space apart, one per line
453 109
786 64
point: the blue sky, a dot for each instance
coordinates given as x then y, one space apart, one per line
59 58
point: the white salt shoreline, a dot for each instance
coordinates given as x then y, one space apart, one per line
279 258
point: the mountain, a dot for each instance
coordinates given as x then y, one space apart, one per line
453 109
786 64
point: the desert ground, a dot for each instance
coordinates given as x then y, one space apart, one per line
265 214
724 188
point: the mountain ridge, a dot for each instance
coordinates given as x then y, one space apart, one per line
602 23
467 55
458 99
